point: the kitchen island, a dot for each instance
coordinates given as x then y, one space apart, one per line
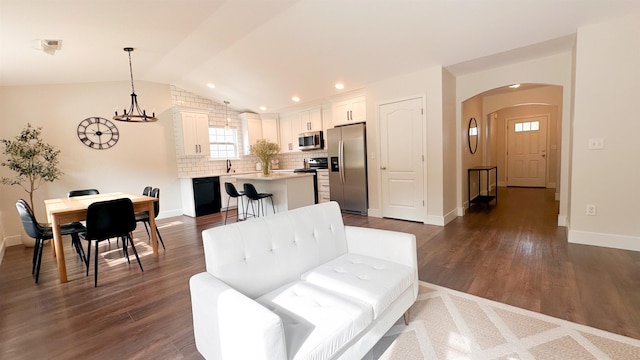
290 190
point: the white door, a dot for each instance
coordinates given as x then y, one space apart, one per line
527 152
401 160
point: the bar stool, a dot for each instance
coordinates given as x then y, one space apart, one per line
233 193
253 195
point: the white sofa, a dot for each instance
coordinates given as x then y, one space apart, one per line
300 285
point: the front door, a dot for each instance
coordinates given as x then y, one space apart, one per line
402 160
527 152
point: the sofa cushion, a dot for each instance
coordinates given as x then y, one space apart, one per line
317 322
257 256
375 281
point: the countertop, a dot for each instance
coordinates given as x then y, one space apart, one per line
272 176
234 174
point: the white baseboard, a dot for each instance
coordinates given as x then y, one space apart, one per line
374 213
13 240
170 213
605 240
435 220
562 220
450 216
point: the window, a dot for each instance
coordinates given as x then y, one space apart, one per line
224 142
528 126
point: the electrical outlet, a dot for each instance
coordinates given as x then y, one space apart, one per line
596 144
590 210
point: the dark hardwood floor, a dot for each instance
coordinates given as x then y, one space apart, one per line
513 253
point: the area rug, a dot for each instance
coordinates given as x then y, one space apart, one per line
447 324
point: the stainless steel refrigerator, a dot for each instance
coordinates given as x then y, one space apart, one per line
347 152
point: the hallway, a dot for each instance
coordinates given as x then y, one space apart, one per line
514 252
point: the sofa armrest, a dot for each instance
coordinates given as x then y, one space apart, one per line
388 245
229 325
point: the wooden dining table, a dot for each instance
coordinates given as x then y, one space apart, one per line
66 210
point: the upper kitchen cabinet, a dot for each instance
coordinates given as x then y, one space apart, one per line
251 130
311 120
294 123
270 127
349 111
256 127
289 126
195 134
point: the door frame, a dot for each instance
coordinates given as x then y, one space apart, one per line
423 99
546 144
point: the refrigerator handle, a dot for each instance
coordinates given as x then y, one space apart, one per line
341 160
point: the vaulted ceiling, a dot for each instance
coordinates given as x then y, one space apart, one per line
263 52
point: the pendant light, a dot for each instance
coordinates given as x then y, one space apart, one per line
134 114
226 114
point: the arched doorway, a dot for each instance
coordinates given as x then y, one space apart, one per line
494 110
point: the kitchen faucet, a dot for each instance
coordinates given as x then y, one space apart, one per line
228 165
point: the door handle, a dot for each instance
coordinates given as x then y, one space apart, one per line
383 168
544 155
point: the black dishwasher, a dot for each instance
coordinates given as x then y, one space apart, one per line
206 195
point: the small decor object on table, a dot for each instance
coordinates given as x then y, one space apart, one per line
265 151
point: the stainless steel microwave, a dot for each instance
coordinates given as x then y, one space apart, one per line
310 140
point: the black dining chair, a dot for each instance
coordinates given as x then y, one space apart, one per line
83 192
76 240
41 232
147 190
253 195
108 219
232 192
143 216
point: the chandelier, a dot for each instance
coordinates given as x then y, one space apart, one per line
134 114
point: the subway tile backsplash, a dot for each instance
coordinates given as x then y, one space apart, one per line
194 166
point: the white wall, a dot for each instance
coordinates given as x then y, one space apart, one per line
607 92
144 154
429 83
551 70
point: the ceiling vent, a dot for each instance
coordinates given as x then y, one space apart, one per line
50 46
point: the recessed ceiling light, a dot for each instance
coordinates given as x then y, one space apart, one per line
295 98
339 86
514 86
263 108
211 85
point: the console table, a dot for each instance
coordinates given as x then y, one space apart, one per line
485 199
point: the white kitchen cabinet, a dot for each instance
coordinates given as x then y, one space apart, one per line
270 128
251 130
195 134
349 111
324 194
289 138
294 123
311 120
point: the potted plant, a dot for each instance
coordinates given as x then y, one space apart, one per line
265 151
33 160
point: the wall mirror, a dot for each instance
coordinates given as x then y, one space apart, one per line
473 135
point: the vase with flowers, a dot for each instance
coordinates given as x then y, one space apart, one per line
266 151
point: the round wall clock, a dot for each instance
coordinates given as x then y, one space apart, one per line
98 133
